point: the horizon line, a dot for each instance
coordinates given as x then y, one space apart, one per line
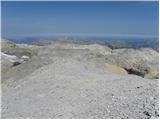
80 34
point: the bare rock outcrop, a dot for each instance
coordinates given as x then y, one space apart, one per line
8 61
18 50
143 62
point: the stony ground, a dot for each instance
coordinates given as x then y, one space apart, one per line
60 83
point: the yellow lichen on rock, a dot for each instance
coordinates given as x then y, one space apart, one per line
115 69
152 75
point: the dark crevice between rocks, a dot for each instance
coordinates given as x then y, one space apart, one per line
132 71
16 63
148 115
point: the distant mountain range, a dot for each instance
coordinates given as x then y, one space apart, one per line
114 43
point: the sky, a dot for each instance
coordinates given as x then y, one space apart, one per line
107 18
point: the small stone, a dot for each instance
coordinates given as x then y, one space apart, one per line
147 113
25 58
151 98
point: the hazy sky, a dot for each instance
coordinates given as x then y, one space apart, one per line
117 18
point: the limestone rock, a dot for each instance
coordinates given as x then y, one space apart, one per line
135 61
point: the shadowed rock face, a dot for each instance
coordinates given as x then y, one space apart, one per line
65 80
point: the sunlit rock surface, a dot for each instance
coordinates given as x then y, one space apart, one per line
66 80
